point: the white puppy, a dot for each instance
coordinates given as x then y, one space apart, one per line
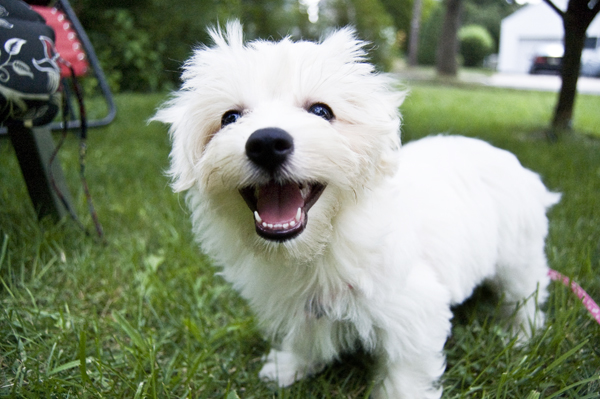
290 153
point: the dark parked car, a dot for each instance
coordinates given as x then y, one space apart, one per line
547 60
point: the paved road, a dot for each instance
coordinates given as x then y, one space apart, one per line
514 81
540 82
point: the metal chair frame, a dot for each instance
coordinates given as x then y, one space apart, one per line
35 148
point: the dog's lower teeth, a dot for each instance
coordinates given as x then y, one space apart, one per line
298 215
275 226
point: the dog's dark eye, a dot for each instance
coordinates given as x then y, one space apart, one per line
321 110
230 117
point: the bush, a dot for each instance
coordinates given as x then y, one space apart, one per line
489 14
431 27
475 44
129 55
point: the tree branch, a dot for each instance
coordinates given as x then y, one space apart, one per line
555 8
596 8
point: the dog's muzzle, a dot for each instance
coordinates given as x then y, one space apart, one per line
280 209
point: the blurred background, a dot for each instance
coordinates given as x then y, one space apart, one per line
142 43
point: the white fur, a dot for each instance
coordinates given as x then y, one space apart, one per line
396 238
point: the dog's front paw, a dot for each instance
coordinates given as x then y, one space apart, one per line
285 368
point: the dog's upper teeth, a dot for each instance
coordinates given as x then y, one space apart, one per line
257 217
304 191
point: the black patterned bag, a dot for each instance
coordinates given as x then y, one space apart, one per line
29 70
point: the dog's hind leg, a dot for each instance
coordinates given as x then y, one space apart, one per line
521 277
522 294
522 285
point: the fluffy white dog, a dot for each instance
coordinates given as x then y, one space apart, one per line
337 237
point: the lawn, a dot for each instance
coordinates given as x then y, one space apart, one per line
143 316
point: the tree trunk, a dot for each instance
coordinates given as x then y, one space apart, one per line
415 24
576 19
571 63
447 50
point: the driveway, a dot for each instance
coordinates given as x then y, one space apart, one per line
540 82
507 80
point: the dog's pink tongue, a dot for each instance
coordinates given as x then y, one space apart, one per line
277 203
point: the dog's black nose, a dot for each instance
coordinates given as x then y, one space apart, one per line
269 147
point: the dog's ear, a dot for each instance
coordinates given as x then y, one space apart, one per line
182 166
233 36
344 42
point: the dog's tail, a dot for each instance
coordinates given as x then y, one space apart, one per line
551 199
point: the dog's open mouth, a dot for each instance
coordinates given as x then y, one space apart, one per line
280 210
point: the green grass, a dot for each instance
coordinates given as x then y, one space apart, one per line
143 316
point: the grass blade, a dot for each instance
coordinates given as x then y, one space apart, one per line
578 383
131 332
66 366
4 250
564 357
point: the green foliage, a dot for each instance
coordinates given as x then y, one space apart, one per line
266 19
486 13
144 316
489 14
476 43
431 27
142 44
372 23
133 59
375 25
401 13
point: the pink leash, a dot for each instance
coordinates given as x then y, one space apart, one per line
588 302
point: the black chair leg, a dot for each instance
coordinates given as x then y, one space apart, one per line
34 148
